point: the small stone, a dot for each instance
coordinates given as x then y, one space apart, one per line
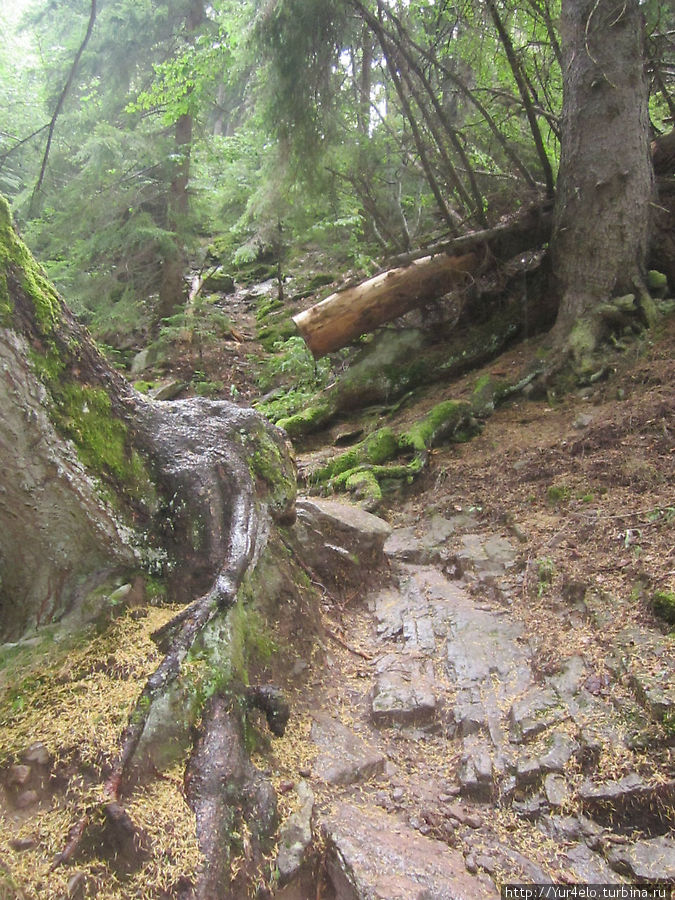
528 770
305 771
562 749
77 884
397 794
168 391
286 786
19 775
556 790
26 799
470 863
21 844
582 421
36 754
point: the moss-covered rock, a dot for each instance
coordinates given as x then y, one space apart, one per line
663 604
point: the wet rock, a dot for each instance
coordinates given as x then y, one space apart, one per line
404 691
295 835
588 867
630 798
483 651
533 713
372 856
343 757
485 556
528 770
562 748
648 860
168 391
556 790
475 770
339 541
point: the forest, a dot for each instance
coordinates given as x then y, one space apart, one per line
336 514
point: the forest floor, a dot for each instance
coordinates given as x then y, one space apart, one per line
495 701
502 688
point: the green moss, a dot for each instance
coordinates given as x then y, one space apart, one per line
268 464
657 282
441 421
558 493
377 448
306 421
663 604
365 486
15 255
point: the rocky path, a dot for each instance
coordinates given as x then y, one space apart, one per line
435 757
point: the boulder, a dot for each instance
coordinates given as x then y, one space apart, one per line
373 856
343 757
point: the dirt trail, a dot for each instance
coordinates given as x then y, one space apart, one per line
497 705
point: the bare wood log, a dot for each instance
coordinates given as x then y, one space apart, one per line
360 308
347 314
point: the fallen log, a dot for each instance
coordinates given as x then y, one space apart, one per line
347 314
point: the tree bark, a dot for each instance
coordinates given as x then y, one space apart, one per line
605 185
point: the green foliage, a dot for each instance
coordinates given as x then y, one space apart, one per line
291 363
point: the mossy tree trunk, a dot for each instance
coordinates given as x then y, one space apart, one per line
99 483
605 183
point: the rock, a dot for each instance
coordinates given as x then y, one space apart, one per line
561 749
295 835
485 557
582 421
556 789
18 775
470 718
22 844
218 282
647 658
630 799
339 541
588 867
77 886
530 808
343 757
568 680
528 770
397 794
37 754
533 713
404 691
372 856
404 545
26 799
168 391
475 770
649 860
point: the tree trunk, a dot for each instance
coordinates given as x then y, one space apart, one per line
99 484
172 282
605 185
